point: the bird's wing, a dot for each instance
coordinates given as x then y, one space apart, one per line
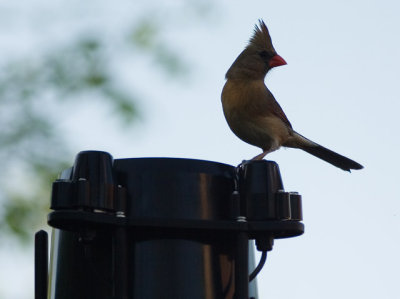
277 110
274 108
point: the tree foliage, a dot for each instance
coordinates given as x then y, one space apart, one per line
33 92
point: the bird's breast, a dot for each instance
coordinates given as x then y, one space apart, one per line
247 112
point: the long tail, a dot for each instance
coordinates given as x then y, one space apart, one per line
323 153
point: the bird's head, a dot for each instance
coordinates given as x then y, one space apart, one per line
257 58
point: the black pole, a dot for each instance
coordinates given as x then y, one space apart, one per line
41 261
242 266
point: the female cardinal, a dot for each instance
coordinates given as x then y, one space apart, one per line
251 110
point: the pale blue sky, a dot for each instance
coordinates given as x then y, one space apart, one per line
340 89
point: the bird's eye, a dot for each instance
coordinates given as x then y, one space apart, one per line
264 54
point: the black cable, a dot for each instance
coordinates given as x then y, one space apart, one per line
259 266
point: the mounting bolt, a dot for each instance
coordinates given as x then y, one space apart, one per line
120 214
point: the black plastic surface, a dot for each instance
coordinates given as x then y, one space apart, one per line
163 227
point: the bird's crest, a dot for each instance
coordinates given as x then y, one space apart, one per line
261 38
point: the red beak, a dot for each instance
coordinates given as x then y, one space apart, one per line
276 61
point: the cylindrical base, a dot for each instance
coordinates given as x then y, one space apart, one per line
156 228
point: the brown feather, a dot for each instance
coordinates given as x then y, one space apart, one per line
261 38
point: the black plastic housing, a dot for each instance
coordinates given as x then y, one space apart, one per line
163 227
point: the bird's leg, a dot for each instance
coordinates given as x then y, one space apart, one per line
261 156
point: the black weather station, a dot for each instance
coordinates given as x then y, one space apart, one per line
160 228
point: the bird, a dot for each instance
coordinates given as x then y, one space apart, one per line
251 110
